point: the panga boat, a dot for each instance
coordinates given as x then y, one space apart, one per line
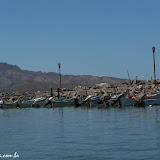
56 103
151 100
90 101
107 101
16 105
39 102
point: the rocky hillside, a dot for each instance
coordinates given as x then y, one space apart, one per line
14 79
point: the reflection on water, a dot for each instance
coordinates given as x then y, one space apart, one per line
81 133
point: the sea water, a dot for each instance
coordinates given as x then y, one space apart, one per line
70 133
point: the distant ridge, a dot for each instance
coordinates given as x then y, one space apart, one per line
14 79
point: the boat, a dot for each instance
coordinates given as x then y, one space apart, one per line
89 101
15 105
56 103
8 105
105 102
38 101
116 100
151 100
128 101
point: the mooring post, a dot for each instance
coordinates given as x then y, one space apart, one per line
58 94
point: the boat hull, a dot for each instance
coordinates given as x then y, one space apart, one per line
54 104
148 102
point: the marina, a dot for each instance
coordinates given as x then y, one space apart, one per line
131 93
90 102
79 80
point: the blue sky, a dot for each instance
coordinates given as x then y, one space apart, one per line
88 37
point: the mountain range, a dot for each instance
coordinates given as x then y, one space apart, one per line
14 79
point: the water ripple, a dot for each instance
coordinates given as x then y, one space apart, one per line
81 134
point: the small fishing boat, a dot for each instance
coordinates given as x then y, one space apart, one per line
120 101
91 101
57 103
151 100
8 105
17 104
116 100
128 101
106 101
38 102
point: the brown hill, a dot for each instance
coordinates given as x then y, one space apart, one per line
14 79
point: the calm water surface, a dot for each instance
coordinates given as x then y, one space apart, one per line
81 134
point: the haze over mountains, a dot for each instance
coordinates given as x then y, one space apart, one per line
14 79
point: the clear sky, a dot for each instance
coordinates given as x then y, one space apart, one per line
88 37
